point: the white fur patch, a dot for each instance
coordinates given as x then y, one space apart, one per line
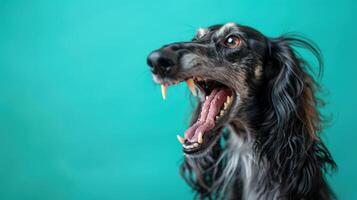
225 27
242 157
242 149
188 60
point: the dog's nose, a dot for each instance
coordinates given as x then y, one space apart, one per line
162 61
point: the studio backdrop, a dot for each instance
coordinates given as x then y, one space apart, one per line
80 117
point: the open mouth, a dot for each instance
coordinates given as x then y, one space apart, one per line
217 101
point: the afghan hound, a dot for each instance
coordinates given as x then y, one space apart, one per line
255 131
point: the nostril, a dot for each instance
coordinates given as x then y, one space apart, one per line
165 63
161 62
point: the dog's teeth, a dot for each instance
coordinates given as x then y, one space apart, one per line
206 97
217 117
180 139
228 100
191 85
195 145
163 91
200 138
225 105
222 112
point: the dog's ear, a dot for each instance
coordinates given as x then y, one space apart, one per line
288 136
291 89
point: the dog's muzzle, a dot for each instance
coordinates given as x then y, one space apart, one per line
169 67
163 62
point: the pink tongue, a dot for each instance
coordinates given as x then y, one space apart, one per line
209 111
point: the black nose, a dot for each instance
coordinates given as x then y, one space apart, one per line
162 62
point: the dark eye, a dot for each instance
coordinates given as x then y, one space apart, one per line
232 42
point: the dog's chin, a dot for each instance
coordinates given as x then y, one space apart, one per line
218 103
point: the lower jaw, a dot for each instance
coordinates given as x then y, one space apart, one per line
212 136
205 147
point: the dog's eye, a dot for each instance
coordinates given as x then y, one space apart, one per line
232 42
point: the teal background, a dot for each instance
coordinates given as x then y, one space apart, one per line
80 117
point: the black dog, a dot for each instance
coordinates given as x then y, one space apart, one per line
257 93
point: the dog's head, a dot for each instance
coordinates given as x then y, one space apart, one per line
229 66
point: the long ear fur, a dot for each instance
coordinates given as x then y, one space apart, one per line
288 136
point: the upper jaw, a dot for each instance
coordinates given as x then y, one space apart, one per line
166 82
192 81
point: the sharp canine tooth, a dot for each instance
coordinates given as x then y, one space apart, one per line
181 139
191 85
195 145
163 91
228 99
200 138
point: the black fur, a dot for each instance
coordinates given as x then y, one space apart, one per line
277 112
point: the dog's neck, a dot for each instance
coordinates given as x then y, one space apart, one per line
235 170
242 160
